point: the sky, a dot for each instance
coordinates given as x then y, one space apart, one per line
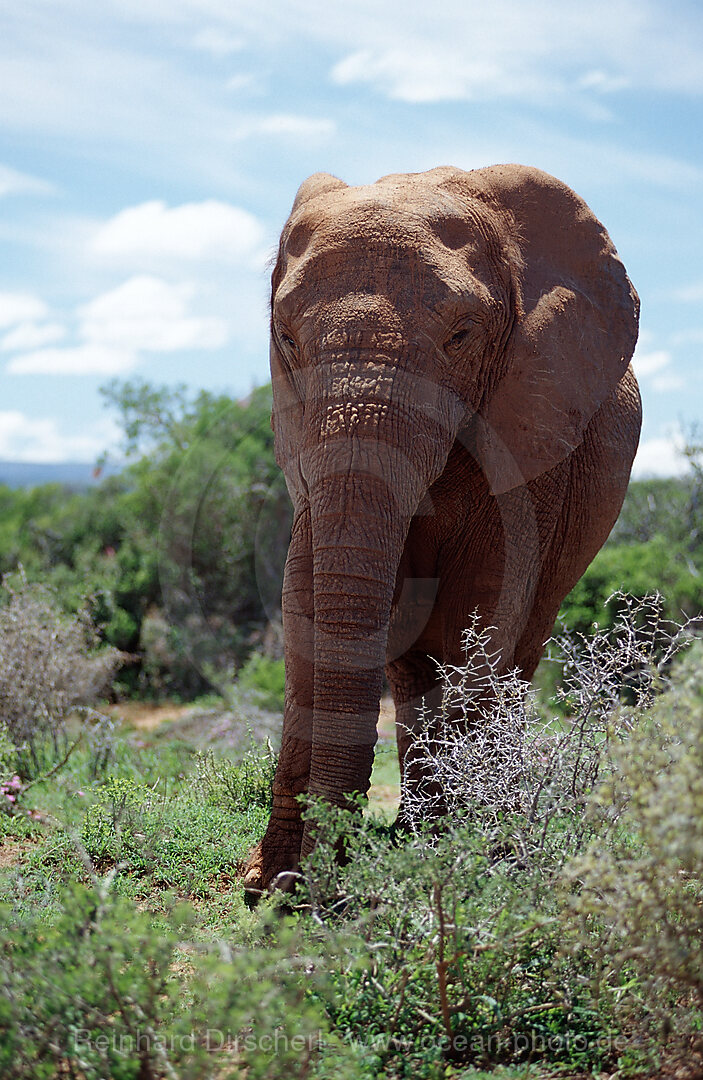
150 151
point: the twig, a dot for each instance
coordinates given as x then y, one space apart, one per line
442 966
55 768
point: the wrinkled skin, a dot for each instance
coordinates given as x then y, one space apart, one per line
456 418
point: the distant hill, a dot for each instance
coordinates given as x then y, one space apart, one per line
74 474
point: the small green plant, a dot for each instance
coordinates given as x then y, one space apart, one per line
10 783
186 840
124 821
237 785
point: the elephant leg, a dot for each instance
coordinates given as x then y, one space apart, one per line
279 850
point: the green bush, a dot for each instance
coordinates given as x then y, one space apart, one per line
441 952
240 785
638 569
266 678
101 992
196 526
192 840
642 888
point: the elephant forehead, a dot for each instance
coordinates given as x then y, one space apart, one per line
370 313
358 213
403 211
418 252
406 275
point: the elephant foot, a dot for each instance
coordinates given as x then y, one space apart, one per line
273 864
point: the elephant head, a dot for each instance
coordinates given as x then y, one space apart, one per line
488 307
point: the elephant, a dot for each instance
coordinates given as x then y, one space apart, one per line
456 417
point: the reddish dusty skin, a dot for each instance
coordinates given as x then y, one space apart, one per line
456 419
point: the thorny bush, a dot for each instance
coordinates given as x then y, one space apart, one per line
527 780
50 666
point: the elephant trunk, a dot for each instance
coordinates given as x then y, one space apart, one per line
366 477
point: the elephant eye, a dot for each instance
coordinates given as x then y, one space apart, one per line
287 344
457 341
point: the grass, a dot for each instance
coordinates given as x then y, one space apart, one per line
123 906
150 816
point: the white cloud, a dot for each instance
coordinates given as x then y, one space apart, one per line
653 366
418 74
150 315
16 307
88 359
242 81
666 382
646 364
411 75
144 314
286 124
32 335
24 438
219 43
690 294
602 82
13 182
521 49
206 230
660 457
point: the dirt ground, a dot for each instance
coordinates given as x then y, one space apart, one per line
12 852
386 720
212 727
143 715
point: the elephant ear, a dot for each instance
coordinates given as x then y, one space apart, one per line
317 184
574 331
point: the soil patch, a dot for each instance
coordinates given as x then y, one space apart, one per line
146 716
12 852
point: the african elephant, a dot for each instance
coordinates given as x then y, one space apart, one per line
456 419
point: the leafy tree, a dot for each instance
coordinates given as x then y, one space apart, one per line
182 553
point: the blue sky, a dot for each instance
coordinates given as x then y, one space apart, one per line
150 151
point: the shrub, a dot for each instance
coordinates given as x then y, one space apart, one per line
103 992
563 888
642 888
635 569
185 841
438 952
237 786
50 667
452 944
531 802
265 677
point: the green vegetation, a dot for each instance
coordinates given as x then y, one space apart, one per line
552 927
656 545
266 678
181 555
